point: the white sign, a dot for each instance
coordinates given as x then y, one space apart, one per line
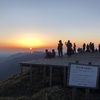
83 75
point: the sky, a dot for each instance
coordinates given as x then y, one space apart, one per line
40 24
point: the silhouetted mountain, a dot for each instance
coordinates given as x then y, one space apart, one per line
11 65
17 55
2 58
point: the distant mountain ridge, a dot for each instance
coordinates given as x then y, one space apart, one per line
10 65
16 55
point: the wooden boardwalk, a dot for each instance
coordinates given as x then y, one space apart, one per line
82 58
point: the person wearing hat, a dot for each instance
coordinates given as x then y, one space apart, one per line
60 48
69 48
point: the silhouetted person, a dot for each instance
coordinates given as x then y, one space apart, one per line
84 46
60 48
91 47
87 48
47 54
79 50
99 47
74 48
53 53
69 48
96 50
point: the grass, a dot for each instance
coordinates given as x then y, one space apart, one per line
13 89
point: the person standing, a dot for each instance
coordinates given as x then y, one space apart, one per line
99 47
53 53
87 46
84 46
60 48
69 48
74 48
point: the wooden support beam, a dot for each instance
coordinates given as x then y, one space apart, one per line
50 76
44 76
21 73
74 91
87 92
30 74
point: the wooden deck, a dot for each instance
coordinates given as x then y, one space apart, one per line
82 58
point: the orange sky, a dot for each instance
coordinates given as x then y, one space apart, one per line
36 45
41 41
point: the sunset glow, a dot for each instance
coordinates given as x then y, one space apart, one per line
30 42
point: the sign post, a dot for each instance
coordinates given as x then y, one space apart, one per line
83 76
74 91
87 92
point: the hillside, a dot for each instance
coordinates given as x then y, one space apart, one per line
10 65
13 89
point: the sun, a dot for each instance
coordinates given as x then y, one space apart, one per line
30 48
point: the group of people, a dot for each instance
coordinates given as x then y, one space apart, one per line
50 54
68 44
71 49
90 47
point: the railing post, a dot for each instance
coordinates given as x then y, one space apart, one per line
50 76
64 73
21 73
44 75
